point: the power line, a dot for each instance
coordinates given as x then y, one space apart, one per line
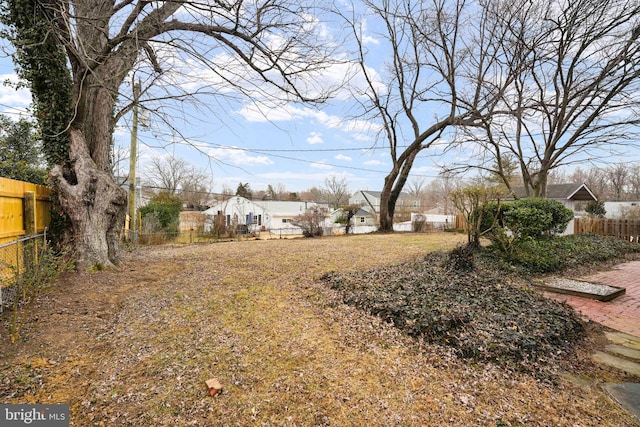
269 152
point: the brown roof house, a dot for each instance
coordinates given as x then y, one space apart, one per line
567 194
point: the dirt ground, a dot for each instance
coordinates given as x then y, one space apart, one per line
134 347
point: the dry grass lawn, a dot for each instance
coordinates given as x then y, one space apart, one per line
134 347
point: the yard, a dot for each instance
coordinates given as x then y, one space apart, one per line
134 347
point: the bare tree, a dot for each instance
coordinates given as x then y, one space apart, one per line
101 42
634 182
336 191
417 187
227 192
574 97
617 176
595 179
311 221
471 202
178 177
443 186
119 157
440 56
614 182
168 173
195 189
314 194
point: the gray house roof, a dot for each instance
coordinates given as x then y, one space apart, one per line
363 212
573 191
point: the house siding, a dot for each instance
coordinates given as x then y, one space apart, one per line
259 215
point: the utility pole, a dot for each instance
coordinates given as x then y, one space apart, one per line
133 159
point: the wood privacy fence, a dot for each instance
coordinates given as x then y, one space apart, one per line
24 209
24 212
627 229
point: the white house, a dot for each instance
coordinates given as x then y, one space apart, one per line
621 210
259 215
370 203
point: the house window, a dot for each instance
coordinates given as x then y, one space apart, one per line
228 220
362 219
253 219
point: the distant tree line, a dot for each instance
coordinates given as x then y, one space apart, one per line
21 151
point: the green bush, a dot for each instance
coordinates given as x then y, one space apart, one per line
522 220
163 211
595 208
535 217
535 256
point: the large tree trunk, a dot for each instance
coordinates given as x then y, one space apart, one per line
387 204
95 204
85 187
393 185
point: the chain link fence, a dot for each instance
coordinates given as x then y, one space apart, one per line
198 236
17 259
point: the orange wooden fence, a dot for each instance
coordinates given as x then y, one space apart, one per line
24 209
24 212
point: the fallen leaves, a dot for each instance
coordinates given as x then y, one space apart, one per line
479 313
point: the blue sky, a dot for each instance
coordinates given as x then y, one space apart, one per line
234 139
298 145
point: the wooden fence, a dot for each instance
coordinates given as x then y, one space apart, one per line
24 209
627 229
24 212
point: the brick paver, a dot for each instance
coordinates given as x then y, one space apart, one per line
621 313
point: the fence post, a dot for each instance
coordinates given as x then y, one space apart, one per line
29 212
29 249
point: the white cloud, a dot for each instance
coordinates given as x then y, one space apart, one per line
425 170
237 156
293 176
315 138
321 165
358 129
260 113
13 101
343 157
369 40
366 38
373 163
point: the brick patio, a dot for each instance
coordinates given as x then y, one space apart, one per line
623 312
